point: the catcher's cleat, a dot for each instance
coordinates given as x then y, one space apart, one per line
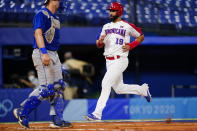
64 124
23 121
148 97
91 117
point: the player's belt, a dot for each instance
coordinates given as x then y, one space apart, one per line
112 57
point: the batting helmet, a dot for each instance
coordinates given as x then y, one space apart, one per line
116 6
46 2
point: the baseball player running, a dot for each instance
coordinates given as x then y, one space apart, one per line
46 27
115 37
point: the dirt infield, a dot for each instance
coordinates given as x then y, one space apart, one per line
107 126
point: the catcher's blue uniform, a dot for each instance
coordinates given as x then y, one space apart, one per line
50 77
50 26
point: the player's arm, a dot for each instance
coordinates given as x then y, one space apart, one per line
130 46
100 38
99 42
137 33
40 43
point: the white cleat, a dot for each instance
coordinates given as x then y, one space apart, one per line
148 95
91 117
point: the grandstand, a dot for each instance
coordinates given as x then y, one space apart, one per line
171 14
177 15
71 11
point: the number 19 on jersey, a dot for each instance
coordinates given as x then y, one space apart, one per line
119 41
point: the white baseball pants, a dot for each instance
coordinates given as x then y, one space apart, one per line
114 78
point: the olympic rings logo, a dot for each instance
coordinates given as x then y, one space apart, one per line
5 107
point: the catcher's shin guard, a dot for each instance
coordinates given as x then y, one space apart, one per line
59 108
31 103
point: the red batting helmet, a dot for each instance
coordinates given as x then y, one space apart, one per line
116 6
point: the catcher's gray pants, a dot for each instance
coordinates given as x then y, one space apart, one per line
47 74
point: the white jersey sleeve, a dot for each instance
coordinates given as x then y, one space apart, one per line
134 31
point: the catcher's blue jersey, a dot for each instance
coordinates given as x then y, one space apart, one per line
50 26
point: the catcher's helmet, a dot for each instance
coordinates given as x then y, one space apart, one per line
46 2
116 6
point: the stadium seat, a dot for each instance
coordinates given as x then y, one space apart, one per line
89 9
179 13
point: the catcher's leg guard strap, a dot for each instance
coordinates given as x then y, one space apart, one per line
31 103
59 85
62 83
